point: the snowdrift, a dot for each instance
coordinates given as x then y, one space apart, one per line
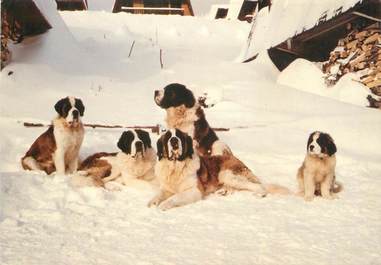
307 76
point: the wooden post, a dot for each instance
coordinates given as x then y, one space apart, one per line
161 59
132 47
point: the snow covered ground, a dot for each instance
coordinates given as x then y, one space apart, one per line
44 220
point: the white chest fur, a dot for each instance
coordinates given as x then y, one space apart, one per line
127 167
177 176
68 142
182 118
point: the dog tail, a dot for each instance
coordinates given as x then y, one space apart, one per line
29 163
277 189
337 187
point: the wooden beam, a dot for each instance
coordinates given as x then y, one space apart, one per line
288 51
325 27
366 16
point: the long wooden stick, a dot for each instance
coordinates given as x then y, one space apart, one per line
161 59
132 47
154 129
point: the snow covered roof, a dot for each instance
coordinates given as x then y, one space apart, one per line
234 9
100 5
288 18
203 7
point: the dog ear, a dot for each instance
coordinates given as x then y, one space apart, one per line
160 148
144 136
59 106
310 139
124 142
79 105
190 150
190 100
331 147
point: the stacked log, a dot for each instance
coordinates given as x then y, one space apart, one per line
359 51
10 30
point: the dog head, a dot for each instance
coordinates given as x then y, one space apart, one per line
175 145
174 95
134 142
321 144
71 109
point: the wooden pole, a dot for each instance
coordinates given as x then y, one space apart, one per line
154 129
132 47
161 59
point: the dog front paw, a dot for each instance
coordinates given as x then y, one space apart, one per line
330 196
308 198
166 205
154 202
224 191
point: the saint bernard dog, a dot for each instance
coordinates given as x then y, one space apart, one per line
185 177
177 170
135 161
185 113
316 176
57 148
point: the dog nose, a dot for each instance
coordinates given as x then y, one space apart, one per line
139 146
157 93
75 114
311 148
174 143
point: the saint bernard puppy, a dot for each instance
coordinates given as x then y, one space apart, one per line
57 148
185 113
185 177
316 176
136 161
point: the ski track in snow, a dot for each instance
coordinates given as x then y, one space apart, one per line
44 220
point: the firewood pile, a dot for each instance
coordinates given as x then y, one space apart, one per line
359 52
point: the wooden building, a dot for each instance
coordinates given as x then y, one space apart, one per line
243 10
23 17
158 7
316 43
72 5
19 19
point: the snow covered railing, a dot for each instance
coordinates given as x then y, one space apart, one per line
158 10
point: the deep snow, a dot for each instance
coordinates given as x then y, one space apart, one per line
45 220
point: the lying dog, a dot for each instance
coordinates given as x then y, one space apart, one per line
185 177
57 148
316 176
135 161
177 171
184 113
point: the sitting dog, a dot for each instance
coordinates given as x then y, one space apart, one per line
185 177
57 148
135 161
185 113
316 176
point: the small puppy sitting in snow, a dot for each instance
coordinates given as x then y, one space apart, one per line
316 176
136 161
57 148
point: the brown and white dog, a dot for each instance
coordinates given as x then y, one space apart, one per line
177 170
316 176
136 161
185 177
57 148
185 113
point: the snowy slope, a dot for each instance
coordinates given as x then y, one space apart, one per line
44 220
